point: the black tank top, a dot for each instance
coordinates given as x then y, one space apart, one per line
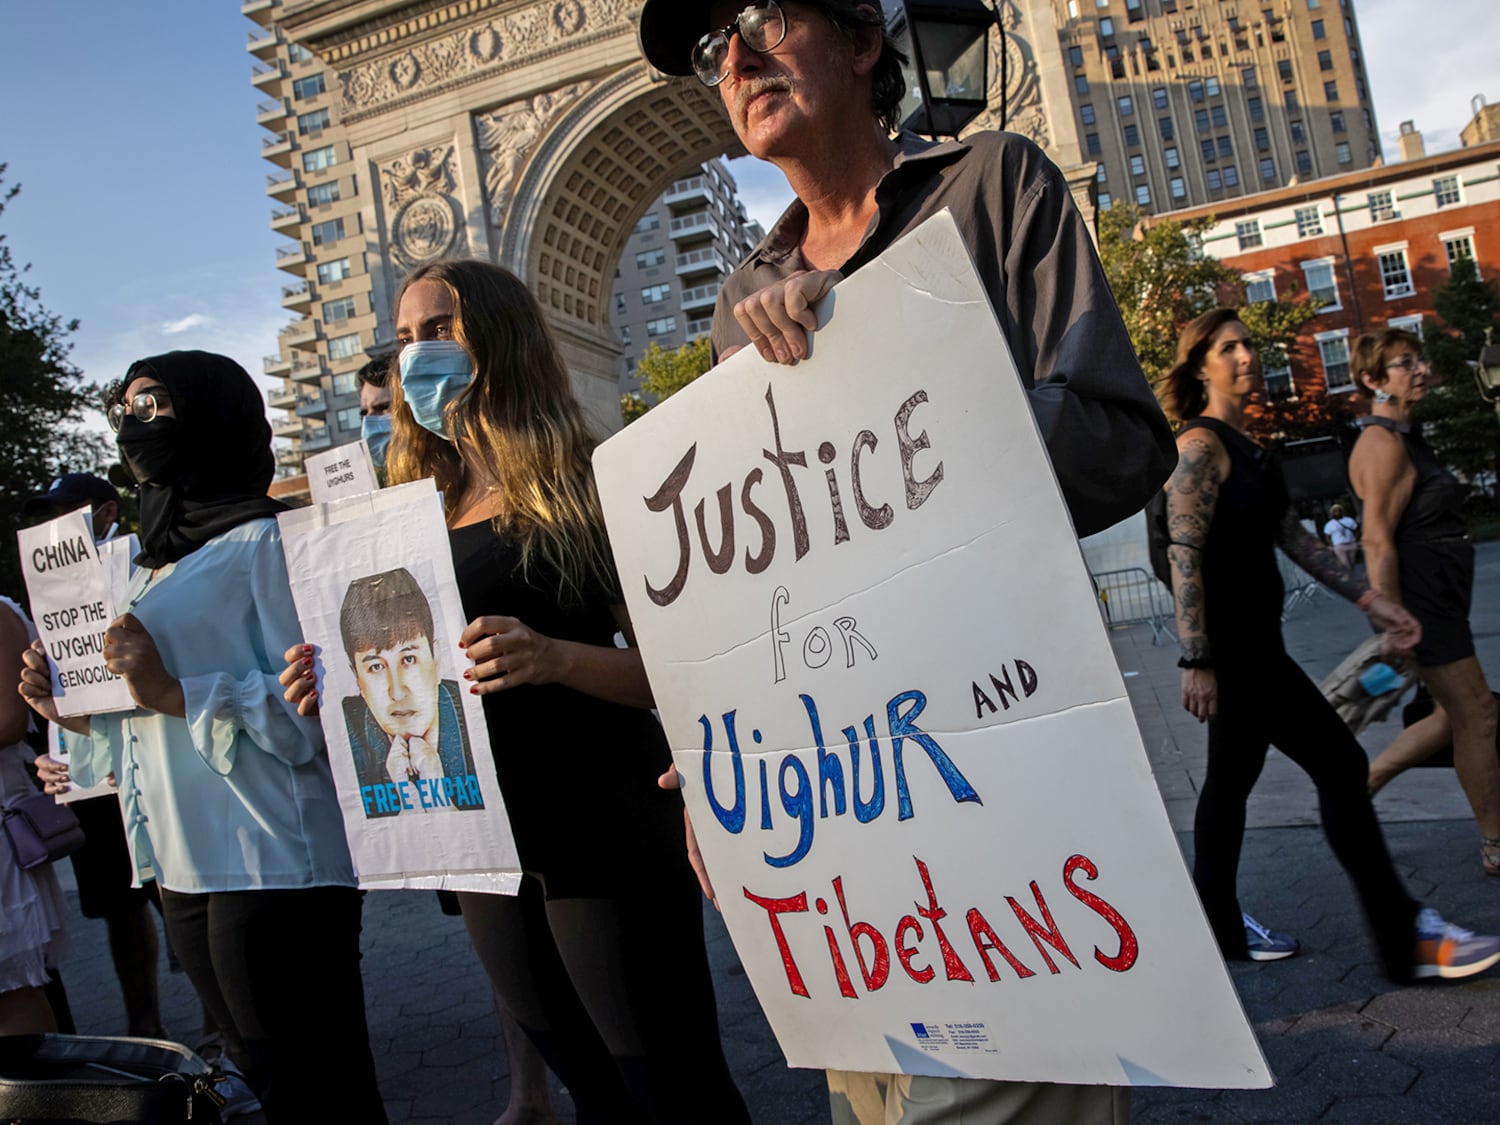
1435 511
1242 588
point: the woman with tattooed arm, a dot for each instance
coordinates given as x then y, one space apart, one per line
1227 511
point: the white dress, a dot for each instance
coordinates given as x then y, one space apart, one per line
32 909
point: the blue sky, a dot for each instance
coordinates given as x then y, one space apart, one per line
143 208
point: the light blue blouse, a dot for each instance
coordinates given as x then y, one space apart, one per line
239 795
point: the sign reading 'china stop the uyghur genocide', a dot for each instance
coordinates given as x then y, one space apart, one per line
906 747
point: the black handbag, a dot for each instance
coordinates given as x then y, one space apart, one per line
40 830
51 1079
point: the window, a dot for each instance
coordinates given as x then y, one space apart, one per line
1314 5
1178 188
1220 119
1277 377
1336 120
1143 195
1321 284
346 383
1164 127
336 270
1284 69
1257 108
1382 209
1325 60
1267 169
1459 244
1412 324
1172 159
1075 56
655 294
312 122
348 418
1291 103
1297 134
1200 120
320 195
1106 27
1212 178
298 53
1226 147
1248 233
342 347
1195 90
619 302
335 311
1262 140
1445 188
1103 175
330 231
1304 163
1091 143
648 258
1331 92
1211 86
1260 286
1309 222
625 335
1159 97
1086 113
1333 347
1126 105
315 160
1081 83
1342 154
649 221
1394 274
1318 31
1247 78
1132 135
661 326
1105 202
1207 146
309 87
1231 176
1137 165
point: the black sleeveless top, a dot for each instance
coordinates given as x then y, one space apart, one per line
1242 588
1435 511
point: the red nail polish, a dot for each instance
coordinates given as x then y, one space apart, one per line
307 661
307 649
473 689
462 645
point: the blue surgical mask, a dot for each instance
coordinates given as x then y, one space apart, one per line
433 374
376 430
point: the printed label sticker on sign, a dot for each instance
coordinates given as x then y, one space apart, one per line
907 750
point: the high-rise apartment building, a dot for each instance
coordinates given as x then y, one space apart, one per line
317 203
1186 103
681 249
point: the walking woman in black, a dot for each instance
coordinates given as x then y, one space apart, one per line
1228 510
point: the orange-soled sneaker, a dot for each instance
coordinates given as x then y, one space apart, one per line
1449 951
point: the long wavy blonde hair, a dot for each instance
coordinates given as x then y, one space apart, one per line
518 423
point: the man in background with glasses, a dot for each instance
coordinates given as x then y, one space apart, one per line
814 88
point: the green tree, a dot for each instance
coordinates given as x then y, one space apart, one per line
1461 426
44 405
663 373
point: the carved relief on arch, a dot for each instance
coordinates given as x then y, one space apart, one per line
1021 90
418 190
509 135
506 40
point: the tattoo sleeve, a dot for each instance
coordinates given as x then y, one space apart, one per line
1192 494
1313 557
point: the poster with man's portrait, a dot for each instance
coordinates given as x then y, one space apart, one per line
373 583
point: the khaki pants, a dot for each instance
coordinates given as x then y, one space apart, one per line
904 1099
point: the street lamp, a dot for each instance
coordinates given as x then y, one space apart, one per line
1487 371
947 79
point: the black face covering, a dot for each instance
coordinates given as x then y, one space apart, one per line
152 451
207 469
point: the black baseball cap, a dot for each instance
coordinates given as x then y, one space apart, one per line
670 29
69 491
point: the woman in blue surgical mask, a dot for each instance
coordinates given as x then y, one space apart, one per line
576 956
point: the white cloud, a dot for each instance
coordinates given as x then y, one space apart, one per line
187 323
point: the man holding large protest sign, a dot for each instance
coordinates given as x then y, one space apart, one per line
813 88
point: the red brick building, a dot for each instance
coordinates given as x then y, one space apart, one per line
1376 244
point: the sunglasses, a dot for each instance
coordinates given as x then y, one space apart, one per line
142 406
760 27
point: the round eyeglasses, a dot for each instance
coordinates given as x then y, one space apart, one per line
1410 363
142 405
760 26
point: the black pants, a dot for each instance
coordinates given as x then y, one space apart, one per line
616 994
279 973
1270 702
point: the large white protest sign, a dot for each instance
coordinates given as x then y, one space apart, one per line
72 605
114 556
908 753
345 470
372 579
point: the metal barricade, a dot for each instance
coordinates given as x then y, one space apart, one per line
1300 587
1133 596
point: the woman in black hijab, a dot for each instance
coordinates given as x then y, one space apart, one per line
226 792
